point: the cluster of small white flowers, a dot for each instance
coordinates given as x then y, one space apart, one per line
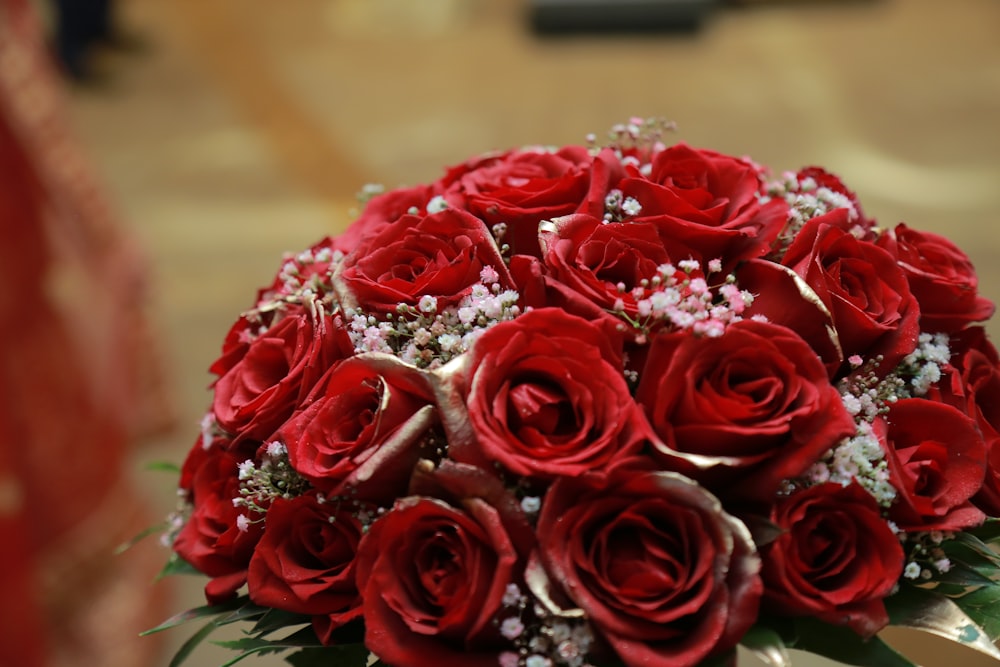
436 204
316 282
644 134
618 207
923 365
674 298
639 131
210 429
806 200
259 485
549 644
177 519
925 557
369 190
427 338
866 394
858 458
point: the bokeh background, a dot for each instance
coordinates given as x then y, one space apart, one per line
245 128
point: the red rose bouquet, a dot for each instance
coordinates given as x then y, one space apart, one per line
635 404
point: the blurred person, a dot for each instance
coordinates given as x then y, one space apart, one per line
81 25
77 386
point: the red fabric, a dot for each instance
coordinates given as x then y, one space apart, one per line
73 352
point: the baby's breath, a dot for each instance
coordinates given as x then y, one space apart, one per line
679 298
261 484
806 200
539 639
428 336
924 556
858 458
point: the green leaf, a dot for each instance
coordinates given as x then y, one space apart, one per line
177 565
762 530
959 580
125 546
276 619
988 532
844 645
983 607
191 614
767 645
246 612
185 650
163 466
945 617
972 550
347 655
306 638
249 646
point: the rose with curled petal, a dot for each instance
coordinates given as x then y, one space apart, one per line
264 376
212 540
660 570
433 577
977 365
862 286
361 432
593 264
781 296
706 201
547 396
940 276
305 561
520 188
937 463
835 558
741 412
440 255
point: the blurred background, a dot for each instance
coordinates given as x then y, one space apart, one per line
227 132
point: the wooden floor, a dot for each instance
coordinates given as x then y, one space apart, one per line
244 133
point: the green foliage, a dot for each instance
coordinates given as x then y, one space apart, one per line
260 639
176 565
164 466
350 655
771 638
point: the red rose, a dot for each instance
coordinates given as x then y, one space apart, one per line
937 462
592 264
941 278
704 200
978 366
212 539
433 577
547 396
747 410
861 285
382 210
660 570
264 376
310 269
835 559
360 435
304 562
520 188
440 255
782 297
